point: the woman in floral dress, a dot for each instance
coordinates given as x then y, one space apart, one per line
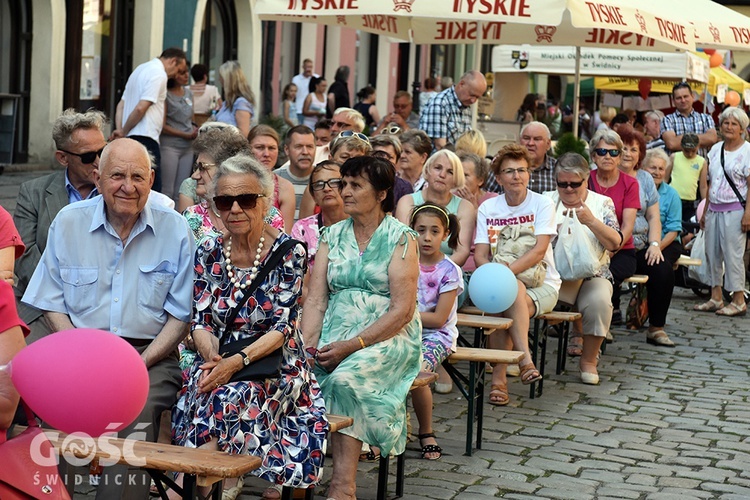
281 420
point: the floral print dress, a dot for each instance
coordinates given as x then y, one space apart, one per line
282 420
371 384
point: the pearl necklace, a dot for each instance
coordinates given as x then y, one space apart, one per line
234 277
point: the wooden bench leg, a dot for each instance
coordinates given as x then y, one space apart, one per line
562 346
287 493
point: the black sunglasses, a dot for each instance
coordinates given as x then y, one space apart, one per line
574 185
614 153
331 183
86 158
246 201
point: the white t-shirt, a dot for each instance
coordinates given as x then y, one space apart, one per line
303 88
536 211
147 83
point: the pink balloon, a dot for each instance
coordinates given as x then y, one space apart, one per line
82 380
699 211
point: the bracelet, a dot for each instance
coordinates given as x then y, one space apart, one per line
361 342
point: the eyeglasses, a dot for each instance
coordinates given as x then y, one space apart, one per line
519 171
203 167
340 124
352 133
331 183
86 158
246 201
394 130
574 185
614 153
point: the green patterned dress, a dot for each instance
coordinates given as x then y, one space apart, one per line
371 384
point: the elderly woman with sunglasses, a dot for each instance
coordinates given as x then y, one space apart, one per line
597 215
444 172
280 419
608 180
212 148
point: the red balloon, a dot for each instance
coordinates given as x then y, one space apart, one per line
644 87
709 52
715 60
732 98
82 380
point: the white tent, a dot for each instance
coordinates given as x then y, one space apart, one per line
600 62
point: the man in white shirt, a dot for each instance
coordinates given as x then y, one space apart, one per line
302 81
140 112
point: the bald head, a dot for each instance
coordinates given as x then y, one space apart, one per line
125 179
471 87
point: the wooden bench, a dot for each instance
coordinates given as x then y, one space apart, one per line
538 342
686 260
201 468
472 386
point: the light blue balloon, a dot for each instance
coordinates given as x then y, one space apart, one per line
493 288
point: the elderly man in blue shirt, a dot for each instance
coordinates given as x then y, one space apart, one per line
121 264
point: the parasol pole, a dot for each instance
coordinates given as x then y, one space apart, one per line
577 91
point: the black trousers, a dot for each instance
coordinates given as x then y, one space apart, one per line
622 265
660 284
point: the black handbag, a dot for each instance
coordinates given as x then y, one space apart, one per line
270 365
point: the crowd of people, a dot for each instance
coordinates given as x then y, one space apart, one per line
373 226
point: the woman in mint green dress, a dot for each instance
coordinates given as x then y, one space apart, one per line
363 328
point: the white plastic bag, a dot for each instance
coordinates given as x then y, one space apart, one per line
699 273
575 255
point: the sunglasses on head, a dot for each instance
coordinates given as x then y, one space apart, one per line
352 133
574 185
246 201
393 130
86 158
614 153
681 85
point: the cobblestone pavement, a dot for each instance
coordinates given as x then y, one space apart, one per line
663 424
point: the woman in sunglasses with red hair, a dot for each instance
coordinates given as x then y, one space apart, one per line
606 147
279 418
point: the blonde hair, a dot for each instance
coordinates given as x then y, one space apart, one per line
606 113
458 168
234 83
472 141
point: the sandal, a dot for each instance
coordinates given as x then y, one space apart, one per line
710 306
500 394
660 338
529 373
370 456
430 448
233 492
732 309
575 346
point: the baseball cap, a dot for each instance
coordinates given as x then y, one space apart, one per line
689 141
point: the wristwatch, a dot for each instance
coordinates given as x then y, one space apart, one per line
654 243
245 359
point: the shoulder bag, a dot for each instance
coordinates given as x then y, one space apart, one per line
23 475
514 241
270 365
730 181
